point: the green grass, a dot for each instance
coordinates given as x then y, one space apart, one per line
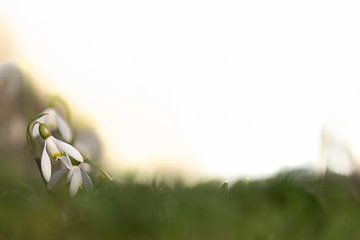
291 205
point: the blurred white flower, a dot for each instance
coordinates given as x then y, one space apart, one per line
54 121
77 176
88 143
56 150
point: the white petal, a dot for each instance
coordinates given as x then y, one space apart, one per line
70 174
55 178
85 167
64 128
66 161
76 181
52 148
45 164
51 118
70 150
35 130
42 119
86 180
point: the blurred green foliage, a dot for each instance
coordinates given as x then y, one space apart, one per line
291 205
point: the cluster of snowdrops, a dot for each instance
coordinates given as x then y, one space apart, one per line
58 152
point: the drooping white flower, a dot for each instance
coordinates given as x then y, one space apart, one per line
56 150
53 121
77 176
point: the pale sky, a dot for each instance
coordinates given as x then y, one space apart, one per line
225 88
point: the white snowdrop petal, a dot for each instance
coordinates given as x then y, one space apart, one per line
70 150
35 130
45 164
52 148
55 178
64 128
51 119
66 161
43 118
85 167
76 181
70 174
86 180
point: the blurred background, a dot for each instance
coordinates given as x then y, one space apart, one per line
205 88
264 94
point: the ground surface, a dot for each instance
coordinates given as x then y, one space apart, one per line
292 205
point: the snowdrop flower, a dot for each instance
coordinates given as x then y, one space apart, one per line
77 176
53 121
56 150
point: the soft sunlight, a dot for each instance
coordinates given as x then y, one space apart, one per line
230 89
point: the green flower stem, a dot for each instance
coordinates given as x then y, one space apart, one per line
30 141
56 101
100 169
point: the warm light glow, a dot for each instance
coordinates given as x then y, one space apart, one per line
229 87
